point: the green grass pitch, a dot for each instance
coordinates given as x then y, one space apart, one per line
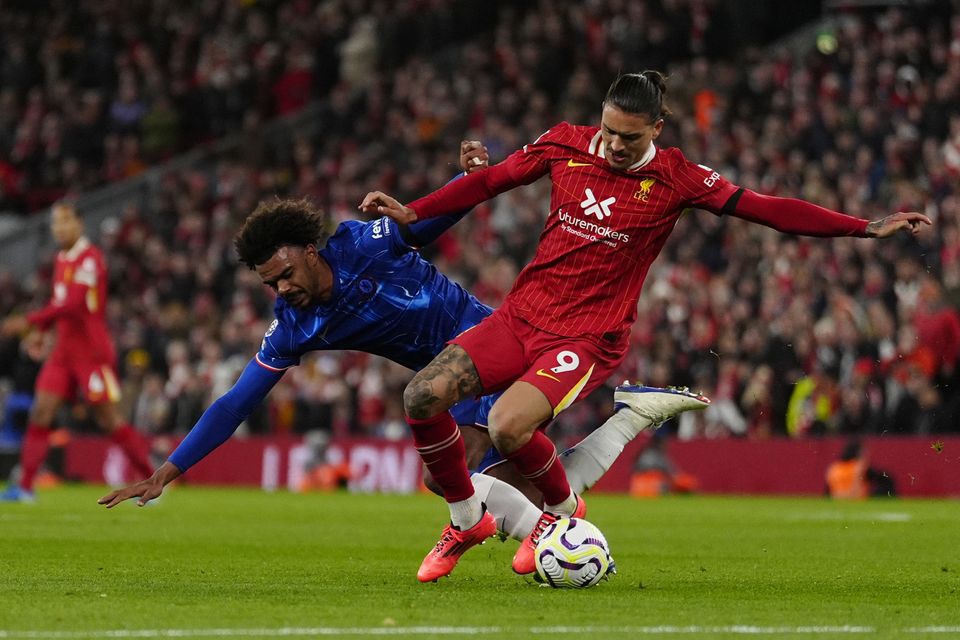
243 563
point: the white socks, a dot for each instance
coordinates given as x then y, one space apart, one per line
584 463
516 516
590 458
565 508
466 513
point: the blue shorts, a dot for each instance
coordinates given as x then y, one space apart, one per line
475 411
491 458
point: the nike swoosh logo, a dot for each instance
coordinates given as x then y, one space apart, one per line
541 372
571 163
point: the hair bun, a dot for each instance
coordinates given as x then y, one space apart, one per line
657 78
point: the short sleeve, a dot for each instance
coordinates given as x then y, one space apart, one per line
702 187
533 160
86 273
376 238
278 349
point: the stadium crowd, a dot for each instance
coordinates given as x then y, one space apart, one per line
95 92
789 336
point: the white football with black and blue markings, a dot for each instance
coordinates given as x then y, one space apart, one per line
572 553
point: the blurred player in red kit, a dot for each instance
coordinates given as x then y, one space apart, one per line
82 364
565 325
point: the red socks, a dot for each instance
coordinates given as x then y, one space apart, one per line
136 448
441 448
36 444
537 462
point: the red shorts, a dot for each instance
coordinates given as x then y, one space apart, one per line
505 348
92 382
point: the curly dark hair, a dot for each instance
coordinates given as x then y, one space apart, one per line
277 223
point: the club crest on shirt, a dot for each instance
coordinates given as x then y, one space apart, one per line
366 287
643 193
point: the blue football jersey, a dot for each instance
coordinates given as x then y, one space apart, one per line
386 300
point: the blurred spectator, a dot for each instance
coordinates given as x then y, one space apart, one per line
938 327
655 474
21 363
852 478
739 312
815 403
757 402
320 472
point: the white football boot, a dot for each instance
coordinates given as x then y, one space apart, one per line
658 404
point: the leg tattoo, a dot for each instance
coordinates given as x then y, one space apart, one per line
449 378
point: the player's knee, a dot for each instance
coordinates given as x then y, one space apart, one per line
419 401
509 430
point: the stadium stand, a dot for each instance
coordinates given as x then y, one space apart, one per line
92 93
791 337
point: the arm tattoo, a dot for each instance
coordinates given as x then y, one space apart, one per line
449 378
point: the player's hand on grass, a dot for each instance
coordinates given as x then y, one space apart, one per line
473 156
908 220
377 202
146 490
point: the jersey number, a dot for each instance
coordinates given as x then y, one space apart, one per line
567 361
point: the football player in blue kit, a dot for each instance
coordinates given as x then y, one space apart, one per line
365 288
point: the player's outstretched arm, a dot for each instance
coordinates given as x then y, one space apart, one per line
14 326
911 221
146 490
74 305
379 203
214 427
792 215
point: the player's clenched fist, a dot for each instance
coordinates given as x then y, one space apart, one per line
909 221
473 156
377 202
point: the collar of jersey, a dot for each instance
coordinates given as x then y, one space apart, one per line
597 146
78 247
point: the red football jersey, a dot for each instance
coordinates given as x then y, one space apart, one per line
604 228
77 307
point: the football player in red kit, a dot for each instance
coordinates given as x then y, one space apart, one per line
82 364
565 324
